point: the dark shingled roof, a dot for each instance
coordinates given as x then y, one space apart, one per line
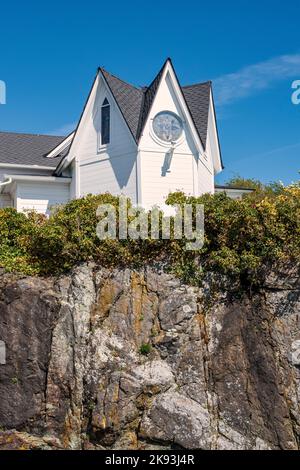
197 98
28 149
129 99
149 95
135 103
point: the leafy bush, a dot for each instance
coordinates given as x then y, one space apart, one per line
261 190
240 236
248 183
13 227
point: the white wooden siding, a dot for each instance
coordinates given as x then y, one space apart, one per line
154 185
100 176
41 196
71 172
206 177
123 168
109 168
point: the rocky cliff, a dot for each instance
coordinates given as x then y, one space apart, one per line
124 359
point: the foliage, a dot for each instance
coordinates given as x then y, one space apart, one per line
145 349
240 236
243 235
248 183
261 190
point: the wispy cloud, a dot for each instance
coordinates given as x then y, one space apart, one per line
64 129
278 152
254 78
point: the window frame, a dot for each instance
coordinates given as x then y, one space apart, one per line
106 105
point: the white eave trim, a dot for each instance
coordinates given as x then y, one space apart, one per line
60 147
4 183
217 164
44 179
197 140
65 162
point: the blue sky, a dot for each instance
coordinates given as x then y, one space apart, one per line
250 49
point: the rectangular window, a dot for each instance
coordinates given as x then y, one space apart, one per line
105 124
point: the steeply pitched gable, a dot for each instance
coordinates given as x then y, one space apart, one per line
128 98
149 95
135 103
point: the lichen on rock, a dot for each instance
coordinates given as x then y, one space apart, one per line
222 371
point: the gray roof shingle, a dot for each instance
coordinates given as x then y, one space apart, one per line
197 97
129 99
149 95
135 103
28 149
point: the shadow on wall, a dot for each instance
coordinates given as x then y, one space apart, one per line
122 165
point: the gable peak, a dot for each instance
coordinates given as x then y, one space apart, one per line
135 102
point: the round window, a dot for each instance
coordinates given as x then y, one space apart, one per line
167 126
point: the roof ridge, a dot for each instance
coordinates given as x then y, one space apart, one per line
102 69
31 134
140 118
158 73
197 84
144 112
132 96
225 186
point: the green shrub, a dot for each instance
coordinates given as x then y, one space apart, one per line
240 237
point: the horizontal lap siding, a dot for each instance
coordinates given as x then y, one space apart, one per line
206 178
155 187
183 175
110 168
115 176
41 196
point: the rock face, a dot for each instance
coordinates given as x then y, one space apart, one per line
126 359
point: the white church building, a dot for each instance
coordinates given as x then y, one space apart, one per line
140 142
